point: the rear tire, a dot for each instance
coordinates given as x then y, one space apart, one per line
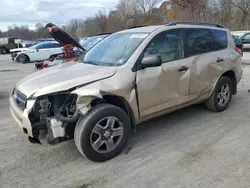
103 133
221 96
3 50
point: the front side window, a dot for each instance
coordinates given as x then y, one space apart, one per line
199 41
220 39
169 45
114 50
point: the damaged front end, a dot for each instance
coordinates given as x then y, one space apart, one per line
53 118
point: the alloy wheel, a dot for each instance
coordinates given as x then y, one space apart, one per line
223 95
106 134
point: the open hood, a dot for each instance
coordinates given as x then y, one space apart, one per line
61 36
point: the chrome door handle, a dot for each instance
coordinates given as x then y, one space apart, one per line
219 60
183 68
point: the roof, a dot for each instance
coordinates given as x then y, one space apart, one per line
47 42
146 29
149 29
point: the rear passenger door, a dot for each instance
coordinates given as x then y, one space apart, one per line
208 54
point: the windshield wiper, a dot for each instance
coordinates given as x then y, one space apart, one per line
90 62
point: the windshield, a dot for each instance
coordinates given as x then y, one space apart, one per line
114 50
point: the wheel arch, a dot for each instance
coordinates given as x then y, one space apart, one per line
25 55
119 102
231 74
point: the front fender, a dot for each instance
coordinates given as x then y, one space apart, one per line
22 53
85 97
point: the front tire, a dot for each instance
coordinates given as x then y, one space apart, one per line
23 58
103 133
221 96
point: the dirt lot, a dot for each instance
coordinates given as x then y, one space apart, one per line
187 149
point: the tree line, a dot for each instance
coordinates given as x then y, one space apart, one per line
233 14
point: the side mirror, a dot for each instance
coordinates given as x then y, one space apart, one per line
37 49
151 61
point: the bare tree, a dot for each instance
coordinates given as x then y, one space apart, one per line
73 25
244 7
234 14
147 6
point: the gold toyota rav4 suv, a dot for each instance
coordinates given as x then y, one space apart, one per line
127 78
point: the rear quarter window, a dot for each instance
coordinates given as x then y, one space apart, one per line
220 39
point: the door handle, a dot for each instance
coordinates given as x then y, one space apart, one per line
219 60
183 68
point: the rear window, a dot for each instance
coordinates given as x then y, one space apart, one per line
220 39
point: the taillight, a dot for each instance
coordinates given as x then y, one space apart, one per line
238 50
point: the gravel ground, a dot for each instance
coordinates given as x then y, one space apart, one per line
186 149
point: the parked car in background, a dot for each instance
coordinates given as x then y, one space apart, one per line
235 37
39 52
128 78
82 39
8 43
239 33
245 40
91 41
239 45
87 43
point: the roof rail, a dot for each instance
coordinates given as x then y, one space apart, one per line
195 23
136 26
104 34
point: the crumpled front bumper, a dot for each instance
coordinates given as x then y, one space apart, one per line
14 55
22 117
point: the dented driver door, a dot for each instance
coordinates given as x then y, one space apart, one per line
166 86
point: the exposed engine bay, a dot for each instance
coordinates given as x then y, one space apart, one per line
53 117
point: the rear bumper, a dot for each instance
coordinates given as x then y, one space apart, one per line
22 117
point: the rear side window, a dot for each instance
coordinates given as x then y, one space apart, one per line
43 46
54 45
220 39
199 41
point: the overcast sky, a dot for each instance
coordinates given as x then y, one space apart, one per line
59 12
